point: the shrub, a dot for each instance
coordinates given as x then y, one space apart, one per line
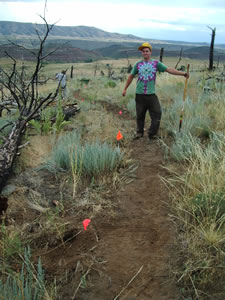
111 84
44 126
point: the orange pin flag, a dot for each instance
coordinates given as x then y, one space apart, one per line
119 136
120 112
86 222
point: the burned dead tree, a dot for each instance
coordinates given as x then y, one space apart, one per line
211 48
95 69
110 70
161 54
71 72
218 62
24 94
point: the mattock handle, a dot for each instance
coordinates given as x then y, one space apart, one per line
186 82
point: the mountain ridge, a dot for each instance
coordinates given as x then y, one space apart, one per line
10 28
84 43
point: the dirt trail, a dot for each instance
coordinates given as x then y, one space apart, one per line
142 235
137 244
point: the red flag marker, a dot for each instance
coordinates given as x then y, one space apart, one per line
120 112
86 222
119 136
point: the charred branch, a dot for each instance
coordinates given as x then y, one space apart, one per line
27 99
8 151
179 59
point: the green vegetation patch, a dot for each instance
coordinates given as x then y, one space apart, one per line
111 84
90 159
29 284
209 205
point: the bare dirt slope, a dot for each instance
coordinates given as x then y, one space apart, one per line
137 244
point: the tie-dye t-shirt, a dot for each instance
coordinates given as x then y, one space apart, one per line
146 71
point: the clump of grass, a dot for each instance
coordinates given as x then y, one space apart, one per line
196 120
10 244
199 205
183 147
92 160
131 106
111 84
209 205
217 110
29 284
198 194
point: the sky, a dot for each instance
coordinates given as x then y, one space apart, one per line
160 19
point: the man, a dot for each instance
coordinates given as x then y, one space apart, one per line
146 99
61 76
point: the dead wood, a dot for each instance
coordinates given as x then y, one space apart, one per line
8 151
26 96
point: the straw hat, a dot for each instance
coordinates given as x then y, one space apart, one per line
145 45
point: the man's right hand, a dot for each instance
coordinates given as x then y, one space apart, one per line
124 92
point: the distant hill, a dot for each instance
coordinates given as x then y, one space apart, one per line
97 43
123 51
8 28
61 55
27 31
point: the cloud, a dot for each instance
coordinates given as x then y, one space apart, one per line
127 16
21 1
215 3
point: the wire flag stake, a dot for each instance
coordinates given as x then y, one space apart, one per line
184 97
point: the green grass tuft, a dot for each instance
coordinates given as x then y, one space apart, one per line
93 160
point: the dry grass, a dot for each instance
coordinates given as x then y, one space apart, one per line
197 190
101 125
217 110
198 204
35 152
